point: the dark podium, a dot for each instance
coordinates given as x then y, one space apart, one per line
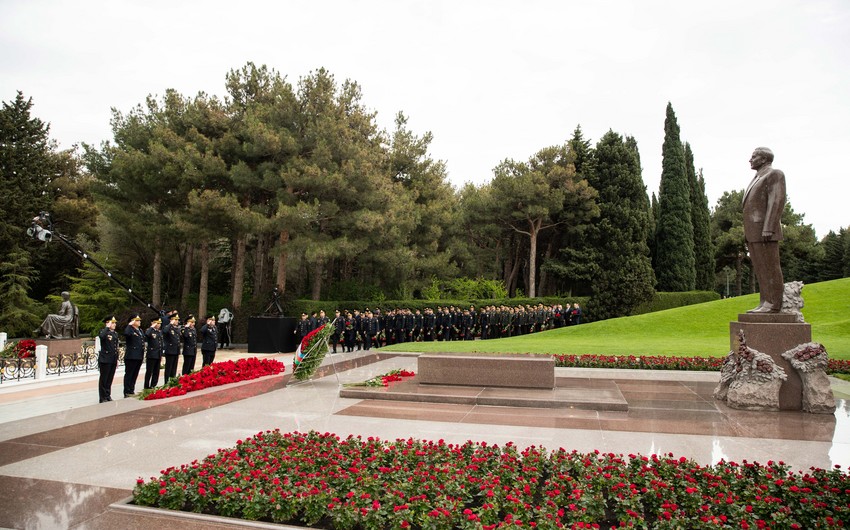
272 334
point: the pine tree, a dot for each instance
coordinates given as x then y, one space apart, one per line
701 220
674 267
624 278
18 312
26 167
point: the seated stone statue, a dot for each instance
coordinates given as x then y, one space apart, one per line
64 324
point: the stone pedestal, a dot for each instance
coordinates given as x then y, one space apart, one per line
487 370
774 334
61 346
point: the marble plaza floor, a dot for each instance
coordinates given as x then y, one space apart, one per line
64 458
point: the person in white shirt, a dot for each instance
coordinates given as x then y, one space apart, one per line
225 318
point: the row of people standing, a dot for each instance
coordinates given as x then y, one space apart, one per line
375 329
150 347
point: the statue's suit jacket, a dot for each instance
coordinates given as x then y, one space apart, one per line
764 202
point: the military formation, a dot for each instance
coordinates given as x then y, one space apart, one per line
373 329
150 347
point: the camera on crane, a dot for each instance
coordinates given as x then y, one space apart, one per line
38 230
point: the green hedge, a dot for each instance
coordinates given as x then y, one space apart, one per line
662 301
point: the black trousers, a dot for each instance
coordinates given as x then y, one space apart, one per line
171 366
152 373
104 382
208 356
188 363
131 373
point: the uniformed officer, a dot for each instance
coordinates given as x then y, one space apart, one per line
349 332
339 326
370 329
171 340
134 354
107 358
153 353
209 340
302 328
190 345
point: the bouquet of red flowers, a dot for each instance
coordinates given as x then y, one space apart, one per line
22 349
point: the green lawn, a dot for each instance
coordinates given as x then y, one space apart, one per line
696 330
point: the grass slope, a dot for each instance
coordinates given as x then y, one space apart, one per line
696 330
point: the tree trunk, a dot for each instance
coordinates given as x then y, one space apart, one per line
156 289
239 271
544 277
259 264
205 279
534 229
187 275
514 272
282 255
318 267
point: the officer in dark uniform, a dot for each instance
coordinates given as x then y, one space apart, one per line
153 353
209 340
302 328
429 323
190 345
358 329
107 358
339 325
349 332
482 323
171 340
370 329
134 354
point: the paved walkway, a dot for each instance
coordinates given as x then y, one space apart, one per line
64 458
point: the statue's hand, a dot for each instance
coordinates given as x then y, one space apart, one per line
766 235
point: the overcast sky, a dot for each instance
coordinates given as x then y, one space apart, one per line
490 79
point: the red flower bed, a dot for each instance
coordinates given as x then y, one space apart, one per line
326 482
646 362
661 362
217 374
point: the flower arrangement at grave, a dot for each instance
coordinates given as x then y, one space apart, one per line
311 352
385 379
324 481
23 349
215 374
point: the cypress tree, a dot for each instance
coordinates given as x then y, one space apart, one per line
674 267
701 219
624 278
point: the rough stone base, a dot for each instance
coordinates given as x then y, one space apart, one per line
817 393
774 334
754 396
487 370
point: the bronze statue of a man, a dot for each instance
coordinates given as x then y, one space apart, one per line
764 202
62 325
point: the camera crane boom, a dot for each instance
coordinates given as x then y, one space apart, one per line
39 231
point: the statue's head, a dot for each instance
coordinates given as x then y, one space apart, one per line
66 295
765 152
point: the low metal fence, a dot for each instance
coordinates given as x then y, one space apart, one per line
14 369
